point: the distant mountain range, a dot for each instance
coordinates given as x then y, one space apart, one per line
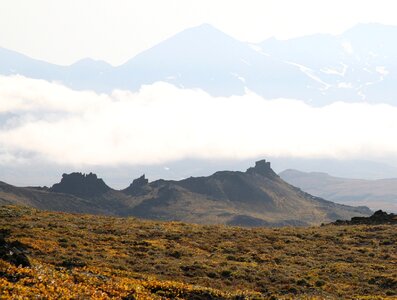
358 65
257 197
376 194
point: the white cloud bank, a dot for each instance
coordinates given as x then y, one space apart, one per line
162 123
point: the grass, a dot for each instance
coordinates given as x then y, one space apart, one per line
86 256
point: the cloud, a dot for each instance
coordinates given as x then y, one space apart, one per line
162 123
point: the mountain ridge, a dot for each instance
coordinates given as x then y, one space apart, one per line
376 193
318 69
256 197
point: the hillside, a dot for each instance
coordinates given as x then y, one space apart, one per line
42 198
257 197
376 194
99 257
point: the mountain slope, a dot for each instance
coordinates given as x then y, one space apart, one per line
15 63
257 197
206 58
44 199
77 193
376 194
360 64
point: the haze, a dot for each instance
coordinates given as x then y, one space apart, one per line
219 106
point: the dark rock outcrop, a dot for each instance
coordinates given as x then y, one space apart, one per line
263 168
81 185
138 187
12 252
378 218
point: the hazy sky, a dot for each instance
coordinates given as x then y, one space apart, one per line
160 123
63 31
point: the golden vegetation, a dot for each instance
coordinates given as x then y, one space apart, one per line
83 256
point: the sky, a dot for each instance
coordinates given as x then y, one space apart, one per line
161 123
64 31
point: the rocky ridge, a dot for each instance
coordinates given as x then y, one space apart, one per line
256 197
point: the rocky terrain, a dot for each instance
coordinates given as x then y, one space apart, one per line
257 197
12 252
378 218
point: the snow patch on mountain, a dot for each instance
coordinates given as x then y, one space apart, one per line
345 85
310 73
382 70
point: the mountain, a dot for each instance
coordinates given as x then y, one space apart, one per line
81 185
84 74
376 194
41 172
347 168
13 63
42 198
257 197
206 58
200 57
358 65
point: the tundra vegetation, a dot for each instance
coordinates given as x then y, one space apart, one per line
76 256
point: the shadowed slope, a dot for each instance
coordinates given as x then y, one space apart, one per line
257 197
